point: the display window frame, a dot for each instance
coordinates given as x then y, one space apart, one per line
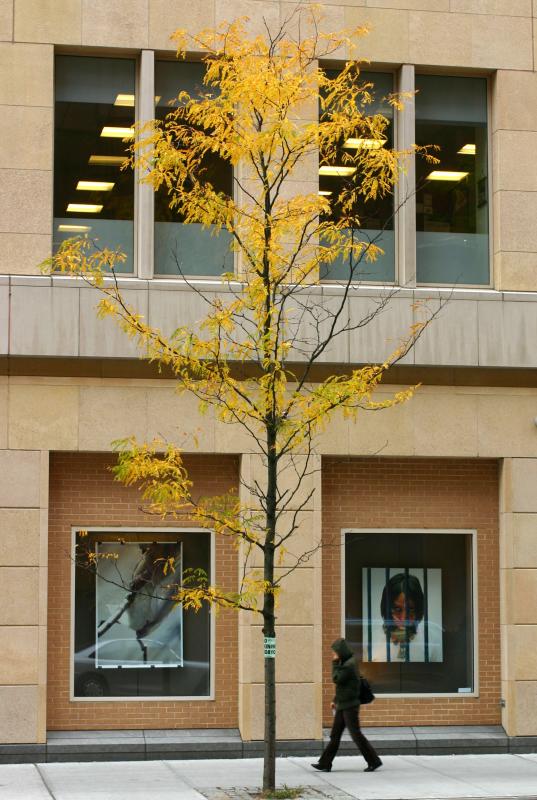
470 532
148 530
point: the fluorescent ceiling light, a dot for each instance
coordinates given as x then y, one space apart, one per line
324 194
107 161
112 132
364 144
74 228
338 171
467 150
127 100
94 186
124 100
84 208
445 175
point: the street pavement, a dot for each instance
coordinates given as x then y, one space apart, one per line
401 778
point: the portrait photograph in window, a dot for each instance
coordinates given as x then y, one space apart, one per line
138 624
130 639
409 609
403 614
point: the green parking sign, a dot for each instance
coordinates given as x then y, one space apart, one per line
270 647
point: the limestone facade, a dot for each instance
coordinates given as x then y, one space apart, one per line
59 368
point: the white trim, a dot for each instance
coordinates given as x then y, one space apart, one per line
475 617
490 181
405 192
475 614
144 195
72 615
425 695
212 620
212 644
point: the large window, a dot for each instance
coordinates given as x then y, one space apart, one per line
451 198
376 216
130 638
452 211
94 114
409 609
188 249
434 229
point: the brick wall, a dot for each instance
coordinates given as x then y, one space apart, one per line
83 493
417 493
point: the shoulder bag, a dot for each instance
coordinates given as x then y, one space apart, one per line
366 693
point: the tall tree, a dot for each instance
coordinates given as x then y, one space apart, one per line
253 356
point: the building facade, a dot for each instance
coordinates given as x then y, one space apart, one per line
433 501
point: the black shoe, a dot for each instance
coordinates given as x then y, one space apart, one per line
374 766
321 768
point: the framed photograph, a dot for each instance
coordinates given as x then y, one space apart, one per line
137 622
402 611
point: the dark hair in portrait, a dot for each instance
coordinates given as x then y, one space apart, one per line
409 587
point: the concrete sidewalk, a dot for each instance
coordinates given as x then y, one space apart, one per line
409 777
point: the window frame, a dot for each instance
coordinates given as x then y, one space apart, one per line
395 72
146 227
475 607
490 176
150 530
405 191
92 52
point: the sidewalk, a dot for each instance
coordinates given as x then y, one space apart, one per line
410 777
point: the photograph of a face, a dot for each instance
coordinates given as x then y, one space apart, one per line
138 624
402 614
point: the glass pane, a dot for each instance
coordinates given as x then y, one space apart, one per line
376 216
130 639
180 248
94 110
452 197
408 610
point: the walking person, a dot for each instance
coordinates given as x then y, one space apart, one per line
347 707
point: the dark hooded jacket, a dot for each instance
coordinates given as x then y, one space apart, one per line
346 677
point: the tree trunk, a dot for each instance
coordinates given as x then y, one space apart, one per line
269 628
269 755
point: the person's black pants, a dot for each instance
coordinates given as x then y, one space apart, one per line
348 718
